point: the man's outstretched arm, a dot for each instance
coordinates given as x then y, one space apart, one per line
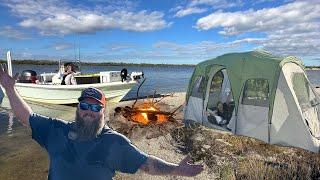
19 107
157 166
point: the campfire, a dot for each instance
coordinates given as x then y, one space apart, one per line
148 113
145 113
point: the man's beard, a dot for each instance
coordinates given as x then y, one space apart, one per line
88 129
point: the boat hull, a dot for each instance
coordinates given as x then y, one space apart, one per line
69 94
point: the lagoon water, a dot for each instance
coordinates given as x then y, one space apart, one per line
13 137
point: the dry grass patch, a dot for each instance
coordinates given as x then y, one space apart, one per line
238 157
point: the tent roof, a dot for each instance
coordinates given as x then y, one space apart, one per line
243 66
233 60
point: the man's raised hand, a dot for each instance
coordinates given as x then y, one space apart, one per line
6 81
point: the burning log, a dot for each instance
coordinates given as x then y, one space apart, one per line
146 113
146 119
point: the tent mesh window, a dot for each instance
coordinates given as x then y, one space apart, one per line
301 89
215 90
199 87
308 102
256 92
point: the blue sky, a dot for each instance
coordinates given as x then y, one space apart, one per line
158 31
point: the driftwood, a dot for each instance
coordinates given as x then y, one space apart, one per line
138 92
173 112
157 101
154 96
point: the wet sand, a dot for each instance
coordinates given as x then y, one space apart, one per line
21 158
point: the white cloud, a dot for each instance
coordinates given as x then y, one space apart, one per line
189 10
56 17
26 55
200 6
289 29
10 32
62 46
261 20
119 47
216 4
203 49
299 45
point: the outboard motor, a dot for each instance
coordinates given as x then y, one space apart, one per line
137 75
124 74
28 76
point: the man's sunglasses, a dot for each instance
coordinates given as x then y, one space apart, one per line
92 107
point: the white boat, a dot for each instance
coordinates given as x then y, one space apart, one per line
45 91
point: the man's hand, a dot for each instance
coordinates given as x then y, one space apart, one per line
157 166
186 168
6 81
19 107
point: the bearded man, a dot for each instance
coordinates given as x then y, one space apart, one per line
87 148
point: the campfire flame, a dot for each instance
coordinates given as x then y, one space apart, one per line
150 116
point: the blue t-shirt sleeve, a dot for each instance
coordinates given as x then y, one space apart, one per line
41 127
125 157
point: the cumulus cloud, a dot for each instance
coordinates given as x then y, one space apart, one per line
289 29
261 20
200 6
164 51
58 17
216 4
12 33
119 47
203 49
62 46
189 10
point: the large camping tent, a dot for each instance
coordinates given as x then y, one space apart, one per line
256 94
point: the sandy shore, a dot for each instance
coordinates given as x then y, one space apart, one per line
160 146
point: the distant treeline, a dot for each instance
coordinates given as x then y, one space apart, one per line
48 62
313 67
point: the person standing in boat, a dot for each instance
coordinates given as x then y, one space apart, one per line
68 75
87 148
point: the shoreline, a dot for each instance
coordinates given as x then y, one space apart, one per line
56 62
113 63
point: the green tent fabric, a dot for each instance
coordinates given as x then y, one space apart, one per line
243 66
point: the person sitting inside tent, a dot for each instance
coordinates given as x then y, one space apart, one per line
68 76
223 110
222 115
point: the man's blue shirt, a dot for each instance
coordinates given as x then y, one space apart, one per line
96 159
